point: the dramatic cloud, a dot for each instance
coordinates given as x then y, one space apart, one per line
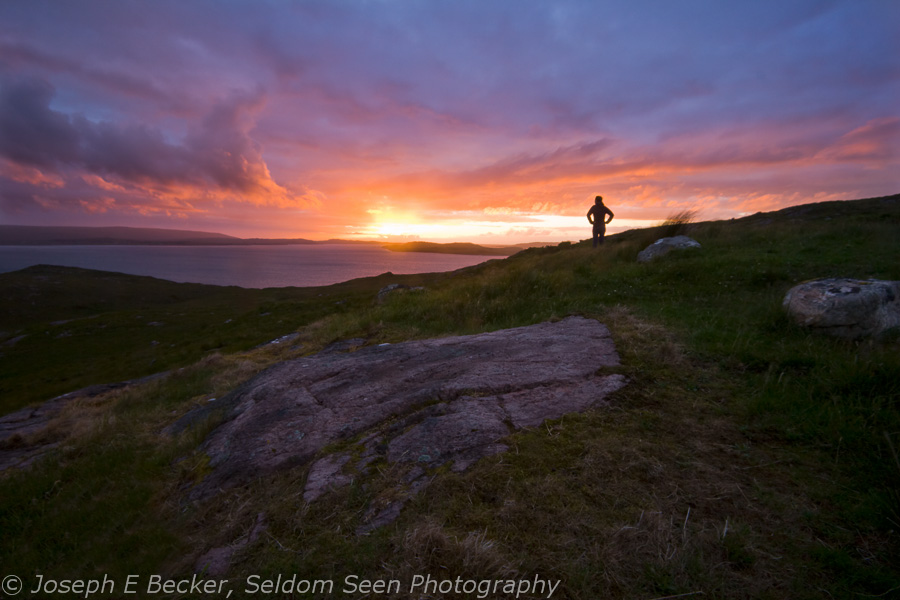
31 133
326 118
217 159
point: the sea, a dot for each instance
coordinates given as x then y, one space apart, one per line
245 266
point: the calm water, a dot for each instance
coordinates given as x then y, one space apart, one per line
245 266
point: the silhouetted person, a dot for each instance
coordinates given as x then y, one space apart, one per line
597 217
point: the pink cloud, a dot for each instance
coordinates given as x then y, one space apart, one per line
29 175
878 142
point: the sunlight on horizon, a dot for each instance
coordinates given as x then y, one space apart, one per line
521 228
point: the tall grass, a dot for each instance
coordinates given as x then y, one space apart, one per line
678 223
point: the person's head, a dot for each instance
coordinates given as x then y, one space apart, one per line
598 200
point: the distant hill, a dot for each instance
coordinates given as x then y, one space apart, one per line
453 248
27 235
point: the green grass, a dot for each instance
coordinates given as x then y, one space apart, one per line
62 328
747 457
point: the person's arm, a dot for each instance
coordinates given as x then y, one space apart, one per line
611 215
590 215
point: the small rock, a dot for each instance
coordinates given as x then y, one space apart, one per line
344 345
13 341
847 308
387 290
281 340
217 561
384 292
663 246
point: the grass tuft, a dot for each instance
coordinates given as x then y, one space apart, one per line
678 223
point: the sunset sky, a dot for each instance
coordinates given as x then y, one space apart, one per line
493 121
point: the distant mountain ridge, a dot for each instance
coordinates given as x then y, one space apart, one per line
37 235
453 248
62 235
31 235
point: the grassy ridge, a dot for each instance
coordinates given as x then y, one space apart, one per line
747 458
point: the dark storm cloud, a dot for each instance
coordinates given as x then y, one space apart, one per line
218 153
30 132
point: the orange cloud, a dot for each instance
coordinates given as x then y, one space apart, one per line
99 206
30 175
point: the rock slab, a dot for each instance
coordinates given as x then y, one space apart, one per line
663 246
23 439
847 308
425 402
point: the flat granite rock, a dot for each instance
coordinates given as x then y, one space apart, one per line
435 401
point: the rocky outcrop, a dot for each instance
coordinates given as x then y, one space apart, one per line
663 246
20 441
23 433
392 289
848 308
419 403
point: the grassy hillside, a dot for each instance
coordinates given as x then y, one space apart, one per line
747 458
64 328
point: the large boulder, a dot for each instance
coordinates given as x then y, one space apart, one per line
848 308
663 246
420 403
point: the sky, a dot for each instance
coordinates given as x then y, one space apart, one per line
489 121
